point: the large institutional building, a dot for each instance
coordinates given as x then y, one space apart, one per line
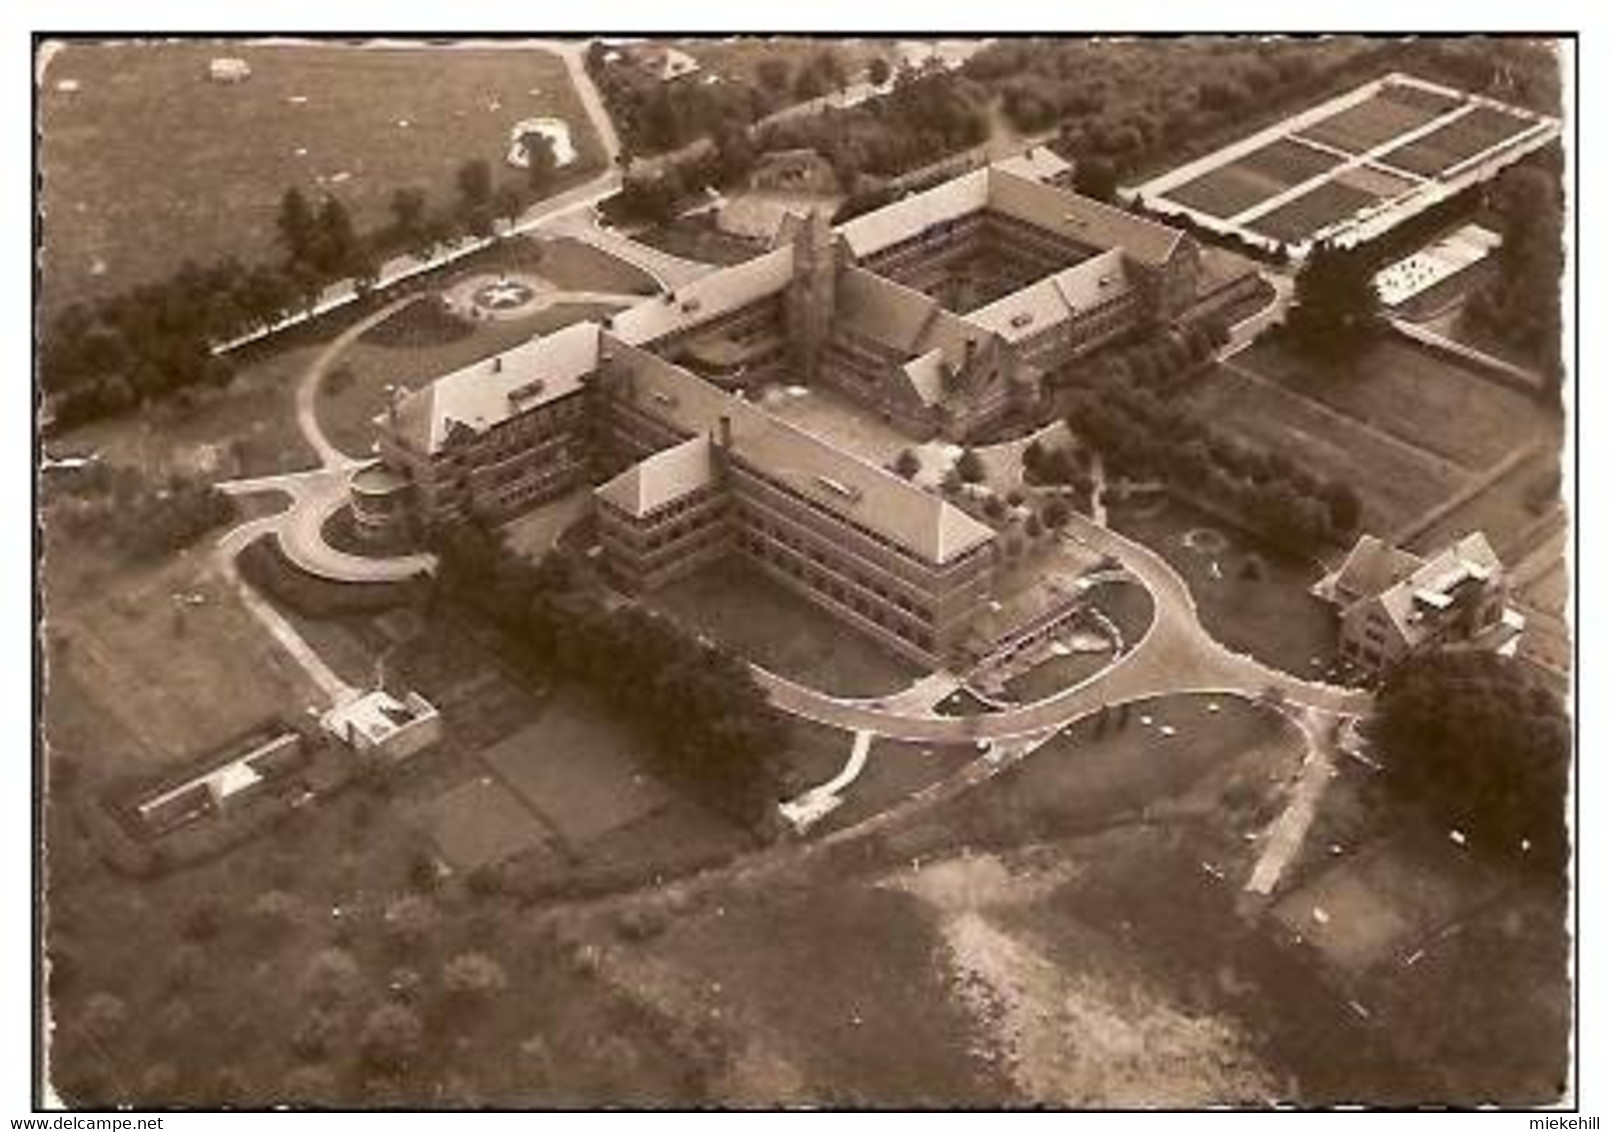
942 313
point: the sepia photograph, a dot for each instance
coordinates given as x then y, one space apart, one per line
852 570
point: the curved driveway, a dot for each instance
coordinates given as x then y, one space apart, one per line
1177 655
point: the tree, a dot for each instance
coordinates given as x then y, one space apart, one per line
335 248
878 71
1336 304
543 162
1468 737
473 977
332 976
393 1037
1096 177
970 466
475 181
1056 514
907 464
409 919
408 213
773 73
296 224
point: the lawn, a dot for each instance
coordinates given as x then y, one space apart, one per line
1274 618
1501 511
147 163
1395 482
1378 119
894 770
1463 138
844 988
744 610
1318 208
246 429
140 670
580 768
481 822
1417 396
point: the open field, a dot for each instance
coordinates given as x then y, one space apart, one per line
245 429
1463 138
1320 207
743 609
147 163
1419 397
480 822
1273 618
1503 510
1380 118
580 768
140 669
1395 481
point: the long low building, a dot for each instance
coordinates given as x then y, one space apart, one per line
941 312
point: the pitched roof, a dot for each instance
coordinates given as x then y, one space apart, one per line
882 228
707 297
1372 566
881 309
1469 559
863 494
666 476
1049 301
493 389
1039 163
1080 218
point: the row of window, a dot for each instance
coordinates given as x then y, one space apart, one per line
807 548
834 590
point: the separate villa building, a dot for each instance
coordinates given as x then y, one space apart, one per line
1393 603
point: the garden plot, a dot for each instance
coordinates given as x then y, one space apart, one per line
1465 137
1249 180
579 769
1394 111
1314 211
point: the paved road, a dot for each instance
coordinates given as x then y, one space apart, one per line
1177 655
226 552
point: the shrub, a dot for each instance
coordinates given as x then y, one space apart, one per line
473 977
393 1037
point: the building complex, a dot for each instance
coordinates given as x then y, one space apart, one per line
942 313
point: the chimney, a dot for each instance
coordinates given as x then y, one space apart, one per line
393 394
497 364
724 433
972 349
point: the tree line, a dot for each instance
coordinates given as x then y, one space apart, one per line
1471 739
1141 430
102 358
1521 305
697 708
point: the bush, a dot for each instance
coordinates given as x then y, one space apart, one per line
392 1039
638 922
473 977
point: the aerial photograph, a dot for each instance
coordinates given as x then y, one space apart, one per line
803 572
